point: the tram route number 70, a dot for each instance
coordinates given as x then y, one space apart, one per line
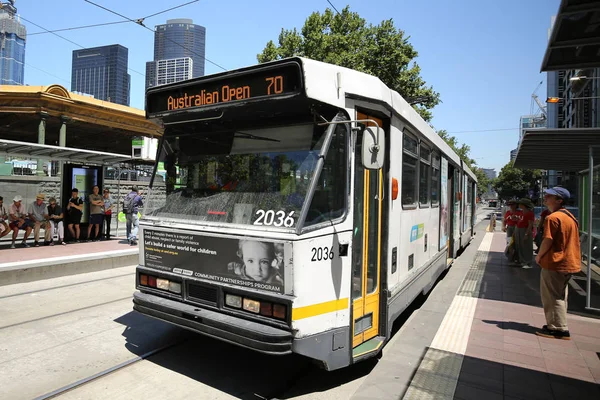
275 84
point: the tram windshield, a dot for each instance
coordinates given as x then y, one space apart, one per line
249 176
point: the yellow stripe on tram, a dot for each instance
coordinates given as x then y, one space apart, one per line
318 309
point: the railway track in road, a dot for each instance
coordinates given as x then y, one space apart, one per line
108 371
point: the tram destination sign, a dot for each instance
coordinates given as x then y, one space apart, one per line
226 89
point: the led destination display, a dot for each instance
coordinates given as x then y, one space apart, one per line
261 83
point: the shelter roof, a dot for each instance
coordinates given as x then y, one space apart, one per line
560 149
575 38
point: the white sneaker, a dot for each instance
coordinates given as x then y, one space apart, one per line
12 246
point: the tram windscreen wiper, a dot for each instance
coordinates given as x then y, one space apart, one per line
254 137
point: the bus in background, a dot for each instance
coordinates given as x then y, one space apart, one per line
304 206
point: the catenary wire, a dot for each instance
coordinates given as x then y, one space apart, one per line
76 27
140 22
333 6
70 41
111 23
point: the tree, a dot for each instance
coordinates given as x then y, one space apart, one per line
347 40
463 152
515 182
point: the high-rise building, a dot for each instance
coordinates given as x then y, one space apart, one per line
490 173
102 73
179 48
13 36
513 154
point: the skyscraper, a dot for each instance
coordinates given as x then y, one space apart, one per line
13 35
179 48
102 72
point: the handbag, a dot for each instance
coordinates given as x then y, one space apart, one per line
511 251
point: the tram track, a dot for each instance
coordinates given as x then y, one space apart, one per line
66 286
119 367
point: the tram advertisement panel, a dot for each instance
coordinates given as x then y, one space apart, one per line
444 205
256 264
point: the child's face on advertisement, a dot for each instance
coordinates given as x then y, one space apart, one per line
256 259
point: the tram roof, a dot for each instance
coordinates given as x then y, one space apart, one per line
321 84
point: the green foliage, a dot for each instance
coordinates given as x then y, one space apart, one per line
463 150
347 40
515 182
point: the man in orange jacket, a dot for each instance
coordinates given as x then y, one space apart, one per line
560 258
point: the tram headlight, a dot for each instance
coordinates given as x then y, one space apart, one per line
233 301
175 287
162 284
252 306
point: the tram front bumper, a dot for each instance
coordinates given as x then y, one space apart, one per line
252 335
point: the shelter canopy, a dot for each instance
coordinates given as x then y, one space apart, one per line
562 149
56 153
575 39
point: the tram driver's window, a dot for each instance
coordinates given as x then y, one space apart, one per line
329 200
410 161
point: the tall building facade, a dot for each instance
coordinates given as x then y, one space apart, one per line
578 92
102 73
179 48
13 36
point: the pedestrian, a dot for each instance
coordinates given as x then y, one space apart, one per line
96 214
524 233
131 205
511 217
108 208
560 258
74 213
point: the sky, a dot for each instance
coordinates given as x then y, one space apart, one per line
483 57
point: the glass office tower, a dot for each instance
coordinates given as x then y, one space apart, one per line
102 73
13 35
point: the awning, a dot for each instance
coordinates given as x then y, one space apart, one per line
56 153
575 39
560 149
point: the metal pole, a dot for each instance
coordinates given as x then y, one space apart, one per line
118 193
588 297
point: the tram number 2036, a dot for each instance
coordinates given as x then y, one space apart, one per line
322 253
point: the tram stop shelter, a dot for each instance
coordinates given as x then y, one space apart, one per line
49 123
574 44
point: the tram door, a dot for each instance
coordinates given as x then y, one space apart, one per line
366 246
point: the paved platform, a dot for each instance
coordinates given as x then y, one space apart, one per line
21 264
474 338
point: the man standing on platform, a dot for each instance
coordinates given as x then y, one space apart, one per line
560 258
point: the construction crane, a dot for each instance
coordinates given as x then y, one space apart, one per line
535 98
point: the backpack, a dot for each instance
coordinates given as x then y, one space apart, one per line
128 204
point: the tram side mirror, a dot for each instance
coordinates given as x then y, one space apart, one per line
373 147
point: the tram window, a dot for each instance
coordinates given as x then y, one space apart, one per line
409 172
328 202
435 180
425 155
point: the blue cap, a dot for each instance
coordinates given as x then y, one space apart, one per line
560 192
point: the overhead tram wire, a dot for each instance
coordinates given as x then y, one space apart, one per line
140 22
333 6
46 72
70 41
484 130
110 23
76 27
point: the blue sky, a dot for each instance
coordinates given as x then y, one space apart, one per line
482 56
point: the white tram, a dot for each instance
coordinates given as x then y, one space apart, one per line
297 207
